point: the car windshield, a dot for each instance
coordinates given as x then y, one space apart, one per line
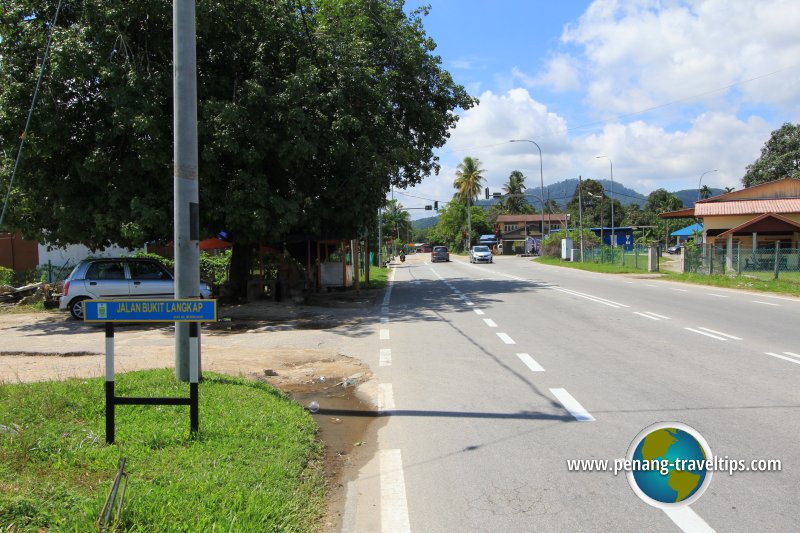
481 249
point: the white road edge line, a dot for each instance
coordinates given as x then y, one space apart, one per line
572 405
766 303
791 354
679 290
610 303
795 361
659 316
505 338
717 295
646 316
489 322
394 506
530 363
385 358
706 334
720 333
689 521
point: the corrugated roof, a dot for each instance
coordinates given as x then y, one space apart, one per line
530 218
748 207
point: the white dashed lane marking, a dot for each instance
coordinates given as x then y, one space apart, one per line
572 405
489 322
530 363
505 338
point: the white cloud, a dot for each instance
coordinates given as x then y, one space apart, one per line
643 53
560 75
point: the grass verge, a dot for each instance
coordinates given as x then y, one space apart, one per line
788 285
256 465
609 268
378 277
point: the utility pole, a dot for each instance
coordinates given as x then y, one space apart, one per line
580 211
380 237
185 173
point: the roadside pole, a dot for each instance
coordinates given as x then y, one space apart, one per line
185 173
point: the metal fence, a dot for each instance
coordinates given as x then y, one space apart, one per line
635 258
762 263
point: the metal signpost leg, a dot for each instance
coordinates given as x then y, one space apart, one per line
110 404
194 366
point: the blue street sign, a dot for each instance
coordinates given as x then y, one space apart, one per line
150 310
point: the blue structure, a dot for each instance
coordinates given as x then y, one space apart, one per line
487 240
684 234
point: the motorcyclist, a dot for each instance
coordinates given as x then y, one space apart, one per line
402 256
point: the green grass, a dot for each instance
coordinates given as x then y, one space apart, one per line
256 466
378 277
788 282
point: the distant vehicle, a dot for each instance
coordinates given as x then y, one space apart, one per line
122 278
675 249
480 254
440 253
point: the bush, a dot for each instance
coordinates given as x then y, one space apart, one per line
6 276
551 246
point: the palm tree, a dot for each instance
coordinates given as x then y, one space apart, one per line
706 191
468 184
515 202
729 189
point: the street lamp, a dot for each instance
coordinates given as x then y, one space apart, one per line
613 237
699 196
541 174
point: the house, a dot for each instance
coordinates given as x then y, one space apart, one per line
757 217
521 233
684 234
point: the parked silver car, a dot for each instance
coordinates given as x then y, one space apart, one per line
480 254
120 278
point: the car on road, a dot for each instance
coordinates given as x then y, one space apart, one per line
119 278
440 253
675 249
480 254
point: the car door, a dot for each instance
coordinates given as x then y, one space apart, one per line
149 279
106 279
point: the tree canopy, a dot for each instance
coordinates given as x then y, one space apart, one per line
307 114
515 202
780 157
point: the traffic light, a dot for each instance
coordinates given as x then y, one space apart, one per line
427 208
436 205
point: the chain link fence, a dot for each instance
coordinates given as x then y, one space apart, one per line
762 263
634 258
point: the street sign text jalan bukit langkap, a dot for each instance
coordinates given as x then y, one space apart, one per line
181 310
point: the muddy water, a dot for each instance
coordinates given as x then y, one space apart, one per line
349 428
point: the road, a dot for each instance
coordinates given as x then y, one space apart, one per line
494 376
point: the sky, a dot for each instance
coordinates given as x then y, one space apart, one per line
668 91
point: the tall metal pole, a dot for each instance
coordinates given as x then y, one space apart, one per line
613 237
186 193
380 238
469 221
541 177
580 211
699 196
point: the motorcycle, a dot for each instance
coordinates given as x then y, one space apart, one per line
402 258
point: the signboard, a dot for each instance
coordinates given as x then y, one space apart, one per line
184 310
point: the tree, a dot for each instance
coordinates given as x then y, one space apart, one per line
515 202
780 157
307 114
662 201
452 223
705 192
468 184
396 222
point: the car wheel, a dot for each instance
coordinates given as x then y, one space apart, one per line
76 307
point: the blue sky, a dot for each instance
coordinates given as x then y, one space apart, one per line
666 89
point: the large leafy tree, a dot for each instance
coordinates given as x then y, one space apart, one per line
780 157
452 223
308 113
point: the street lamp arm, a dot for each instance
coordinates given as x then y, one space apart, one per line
541 174
699 194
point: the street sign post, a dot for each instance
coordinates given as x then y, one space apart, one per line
182 310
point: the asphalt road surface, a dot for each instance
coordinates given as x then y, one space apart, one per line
494 376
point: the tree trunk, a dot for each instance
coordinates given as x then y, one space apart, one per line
241 260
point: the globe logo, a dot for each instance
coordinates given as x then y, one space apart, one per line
670 465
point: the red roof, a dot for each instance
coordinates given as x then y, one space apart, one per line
532 218
748 207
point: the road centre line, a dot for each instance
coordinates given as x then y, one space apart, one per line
717 295
384 333
597 299
792 354
679 290
489 322
646 316
505 338
478 311
689 521
706 334
384 320
572 405
385 397
394 506
766 303
468 302
662 317
795 361
720 333
530 363
385 358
